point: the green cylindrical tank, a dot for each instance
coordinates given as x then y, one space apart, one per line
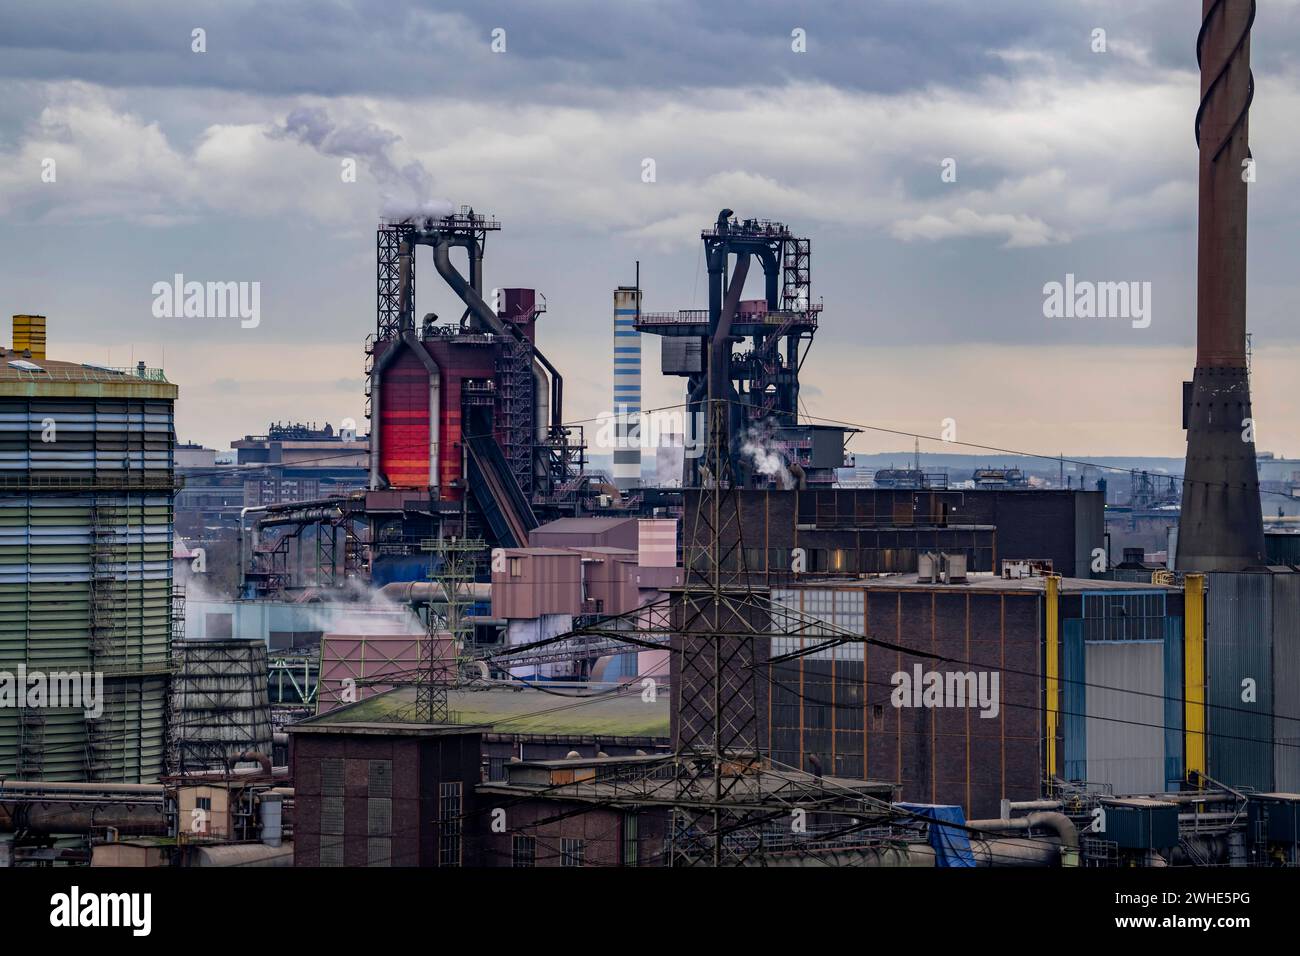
86 483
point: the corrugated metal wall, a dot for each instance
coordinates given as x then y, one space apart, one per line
132 722
86 509
1126 715
1239 648
1286 682
45 580
1122 690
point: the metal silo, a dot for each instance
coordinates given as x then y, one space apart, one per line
86 483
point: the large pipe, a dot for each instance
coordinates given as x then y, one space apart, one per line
251 756
541 401
425 592
79 789
487 319
242 854
1221 524
126 815
557 388
986 853
1058 823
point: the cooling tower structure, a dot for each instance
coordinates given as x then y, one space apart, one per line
1221 527
220 703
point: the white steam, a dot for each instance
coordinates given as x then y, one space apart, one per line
767 459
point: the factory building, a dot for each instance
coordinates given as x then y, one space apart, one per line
86 482
382 794
882 531
578 568
627 387
524 724
1042 682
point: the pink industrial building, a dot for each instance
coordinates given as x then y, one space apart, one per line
585 566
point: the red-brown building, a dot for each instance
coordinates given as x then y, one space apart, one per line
383 794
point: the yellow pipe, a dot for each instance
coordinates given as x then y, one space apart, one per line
1053 671
1194 674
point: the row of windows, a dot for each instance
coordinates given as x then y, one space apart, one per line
843 609
573 851
449 813
1124 617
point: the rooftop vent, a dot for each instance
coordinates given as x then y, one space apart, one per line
29 335
937 567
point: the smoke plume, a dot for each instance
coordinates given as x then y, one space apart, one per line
405 187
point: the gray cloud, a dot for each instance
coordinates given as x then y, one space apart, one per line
1070 162
574 48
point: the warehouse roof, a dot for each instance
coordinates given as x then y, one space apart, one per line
381 728
583 525
980 582
506 710
22 375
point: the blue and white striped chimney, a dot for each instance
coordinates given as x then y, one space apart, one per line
627 386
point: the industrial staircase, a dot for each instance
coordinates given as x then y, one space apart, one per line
109 608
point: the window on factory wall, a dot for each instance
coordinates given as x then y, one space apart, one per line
516 567
573 852
331 812
631 841
379 814
524 851
839 560
449 816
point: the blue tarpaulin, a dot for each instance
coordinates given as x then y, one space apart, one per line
951 845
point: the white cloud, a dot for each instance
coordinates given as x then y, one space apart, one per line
1019 231
1039 161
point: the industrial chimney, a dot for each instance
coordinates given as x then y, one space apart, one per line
1221 527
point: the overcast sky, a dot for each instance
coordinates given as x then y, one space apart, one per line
226 165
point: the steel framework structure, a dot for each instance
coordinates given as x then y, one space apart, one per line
725 793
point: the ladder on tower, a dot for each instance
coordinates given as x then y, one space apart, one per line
108 617
31 744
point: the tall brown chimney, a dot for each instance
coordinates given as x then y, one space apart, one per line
1221 528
